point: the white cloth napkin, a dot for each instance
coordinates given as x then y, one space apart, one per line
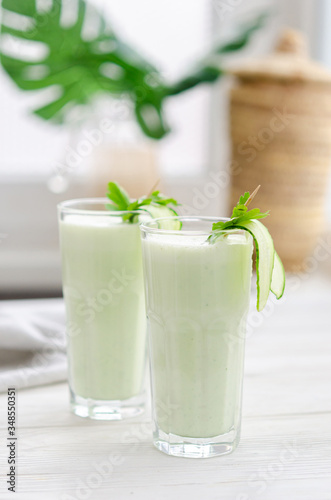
32 343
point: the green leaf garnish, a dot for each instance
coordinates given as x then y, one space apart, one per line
119 197
270 275
156 204
240 214
244 198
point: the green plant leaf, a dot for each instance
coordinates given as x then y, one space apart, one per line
243 198
242 39
208 70
26 8
80 69
75 65
119 197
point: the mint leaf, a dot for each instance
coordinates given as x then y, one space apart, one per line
121 202
243 198
118 196
240 214
238 211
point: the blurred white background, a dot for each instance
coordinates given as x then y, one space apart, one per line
172 35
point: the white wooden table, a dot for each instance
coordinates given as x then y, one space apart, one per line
285 449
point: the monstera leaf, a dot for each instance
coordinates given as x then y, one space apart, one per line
79 67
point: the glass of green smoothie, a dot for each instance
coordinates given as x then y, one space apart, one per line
197 285
197 302
105 306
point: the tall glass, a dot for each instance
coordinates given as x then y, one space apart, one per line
197 296
106 319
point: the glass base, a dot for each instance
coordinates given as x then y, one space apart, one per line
107 410
180 446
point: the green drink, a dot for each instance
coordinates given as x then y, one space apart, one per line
104 297
197 303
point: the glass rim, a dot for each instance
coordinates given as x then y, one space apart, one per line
145 226
70 207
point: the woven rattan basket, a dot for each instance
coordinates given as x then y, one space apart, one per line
281 139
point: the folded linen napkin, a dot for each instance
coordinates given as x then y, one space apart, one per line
32 343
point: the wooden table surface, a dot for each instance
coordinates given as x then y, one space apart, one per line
285 449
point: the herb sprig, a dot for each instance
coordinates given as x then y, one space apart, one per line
270 274
120 201
239 215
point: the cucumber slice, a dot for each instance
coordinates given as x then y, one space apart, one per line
265 253
163 211
278 278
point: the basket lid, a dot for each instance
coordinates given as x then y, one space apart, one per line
289 62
